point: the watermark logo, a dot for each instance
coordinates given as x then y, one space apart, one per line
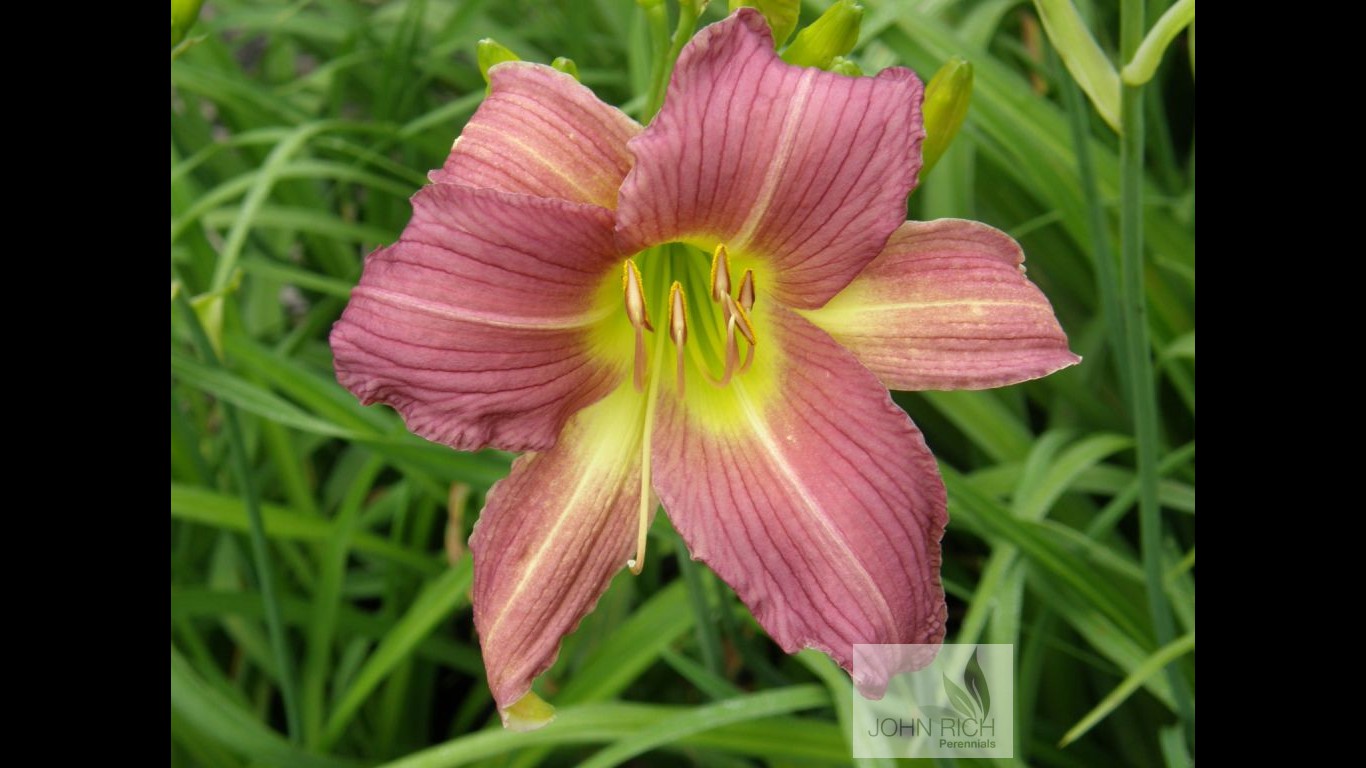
943 701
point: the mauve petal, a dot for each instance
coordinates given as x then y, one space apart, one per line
806 169
947 306
541 133
475 325
550 539
822 506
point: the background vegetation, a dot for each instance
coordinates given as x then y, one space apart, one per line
319 584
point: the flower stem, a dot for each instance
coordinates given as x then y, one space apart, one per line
657 15
265 572
657 20
1142 388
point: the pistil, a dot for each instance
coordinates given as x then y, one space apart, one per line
731 307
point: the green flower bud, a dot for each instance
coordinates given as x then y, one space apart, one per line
842 66
835 33
489 52
183 15
946 104
781 15
567 66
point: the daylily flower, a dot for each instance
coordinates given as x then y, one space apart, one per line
711 310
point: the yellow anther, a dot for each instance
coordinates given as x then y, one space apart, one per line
747 290
678 315
720 273
678 331
634 290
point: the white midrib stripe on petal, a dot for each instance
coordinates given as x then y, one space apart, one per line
450 312
588 481
531 567
549 165
773 450
781 154
853 315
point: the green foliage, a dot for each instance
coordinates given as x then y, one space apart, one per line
299 130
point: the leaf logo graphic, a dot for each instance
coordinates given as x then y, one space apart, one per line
972 700
975 680
960 699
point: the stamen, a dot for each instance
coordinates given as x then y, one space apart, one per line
634 291
747 304
749 358
735 324
732 352
747 290
678 331
720 273
736 312
678 316
639 377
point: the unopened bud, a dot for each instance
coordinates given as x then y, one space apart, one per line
489 52
566 66
183 15
842 66
835 33
781 16
946 104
